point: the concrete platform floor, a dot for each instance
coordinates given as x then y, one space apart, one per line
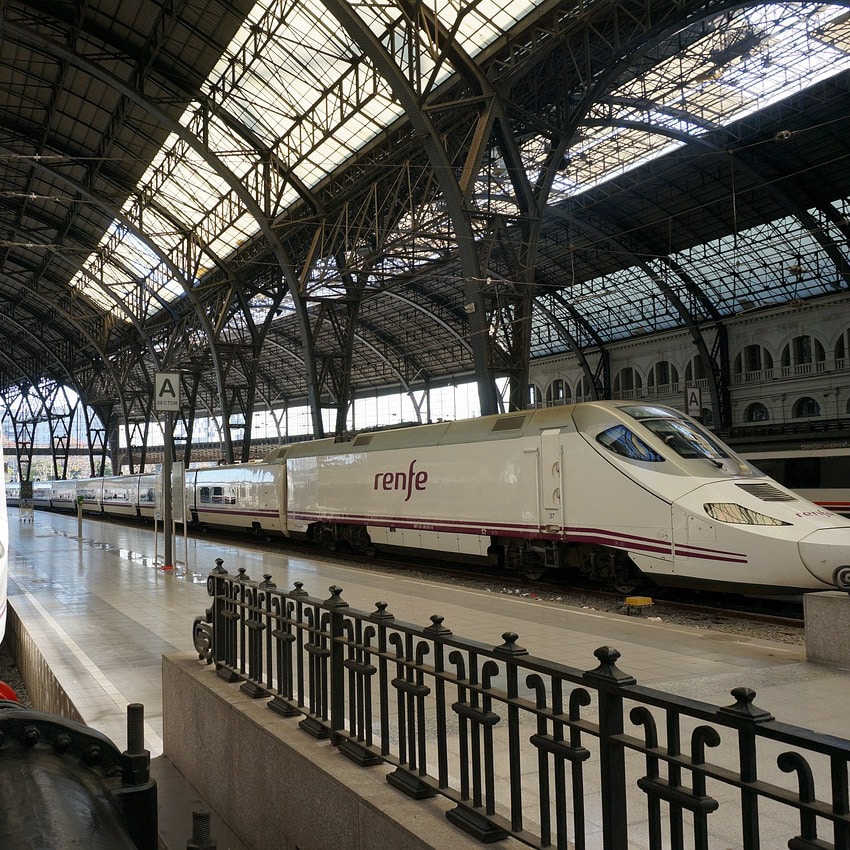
103 612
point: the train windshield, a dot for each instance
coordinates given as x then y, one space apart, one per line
683 436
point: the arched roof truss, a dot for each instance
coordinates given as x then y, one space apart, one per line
302 200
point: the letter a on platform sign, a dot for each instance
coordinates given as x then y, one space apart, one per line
166 391
693 401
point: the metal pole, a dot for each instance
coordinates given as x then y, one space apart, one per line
168 542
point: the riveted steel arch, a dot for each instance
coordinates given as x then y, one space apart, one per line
452 193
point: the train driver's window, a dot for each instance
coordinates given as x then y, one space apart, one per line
622 441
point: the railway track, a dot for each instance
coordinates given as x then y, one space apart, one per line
779 619
772 618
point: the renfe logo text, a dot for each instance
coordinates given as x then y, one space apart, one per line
404 481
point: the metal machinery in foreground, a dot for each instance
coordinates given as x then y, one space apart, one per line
550 754
65 785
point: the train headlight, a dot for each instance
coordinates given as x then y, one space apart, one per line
738 514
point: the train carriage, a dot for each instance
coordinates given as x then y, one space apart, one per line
615 490
63 495
91 492
146 488
121 496
42 495
245 497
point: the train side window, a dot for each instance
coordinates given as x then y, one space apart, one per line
205 494
217 495
229 496
622 441
802 472
835 472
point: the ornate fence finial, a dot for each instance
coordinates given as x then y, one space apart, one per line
267 583
745 707
335 600
608 671
381 612
437 627
299 589
510 647
219 566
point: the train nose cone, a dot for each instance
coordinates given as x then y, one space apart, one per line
826 554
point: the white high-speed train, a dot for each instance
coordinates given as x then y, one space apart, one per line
619 491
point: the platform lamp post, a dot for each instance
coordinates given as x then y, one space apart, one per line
167 401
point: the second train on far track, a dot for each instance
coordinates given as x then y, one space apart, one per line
619 491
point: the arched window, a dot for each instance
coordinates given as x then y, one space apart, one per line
756 412
627 383
803 356
840 350
558 392
535 396
805 407
584 388
752 362
695 371
663 377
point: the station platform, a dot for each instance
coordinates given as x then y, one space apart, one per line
102 612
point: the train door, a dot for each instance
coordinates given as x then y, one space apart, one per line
551 478
279 471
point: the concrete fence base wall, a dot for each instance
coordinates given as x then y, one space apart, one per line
827 617
279 789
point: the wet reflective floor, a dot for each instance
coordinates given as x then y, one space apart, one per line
103 612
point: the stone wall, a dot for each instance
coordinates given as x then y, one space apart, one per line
279 789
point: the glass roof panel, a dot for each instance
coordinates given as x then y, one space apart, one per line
753 57
770 264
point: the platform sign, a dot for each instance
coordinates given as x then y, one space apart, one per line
693 401
166 388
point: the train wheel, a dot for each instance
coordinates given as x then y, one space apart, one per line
613 570
625 585
532 567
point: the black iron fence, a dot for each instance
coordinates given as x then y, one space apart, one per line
552 755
